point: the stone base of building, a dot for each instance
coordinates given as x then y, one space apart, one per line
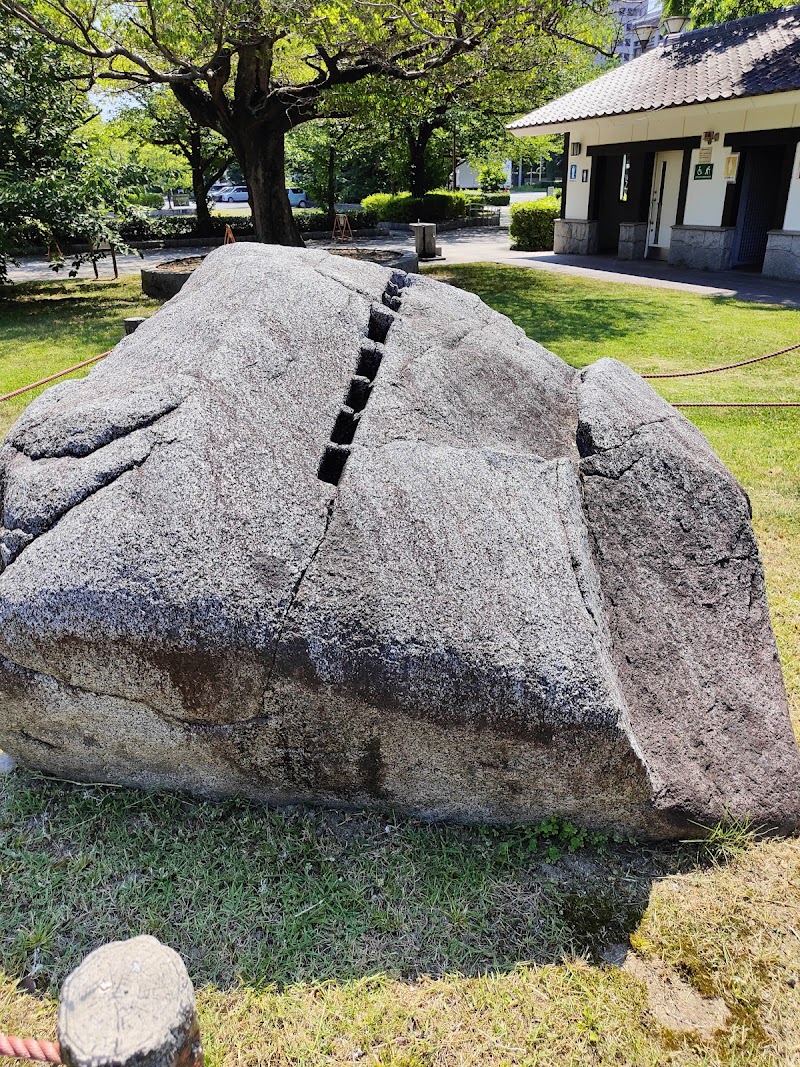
701 247
575 237
632 240
783 255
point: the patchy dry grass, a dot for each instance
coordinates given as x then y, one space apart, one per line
325 939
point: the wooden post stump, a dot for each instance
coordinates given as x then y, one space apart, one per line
132 323
129 1004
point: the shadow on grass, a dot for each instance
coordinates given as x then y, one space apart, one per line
258 896
62 307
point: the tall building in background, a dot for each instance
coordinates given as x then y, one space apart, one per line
631 13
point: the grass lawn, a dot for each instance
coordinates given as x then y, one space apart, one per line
320 938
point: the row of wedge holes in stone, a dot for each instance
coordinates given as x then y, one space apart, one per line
369 360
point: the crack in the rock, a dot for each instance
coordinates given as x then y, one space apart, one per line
39 741
337 451
104 480
331 505
575 562
587 447
108 437
607 474
65 683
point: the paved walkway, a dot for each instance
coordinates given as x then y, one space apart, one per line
493 246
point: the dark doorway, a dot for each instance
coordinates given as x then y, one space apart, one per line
620 193
761 205
609 208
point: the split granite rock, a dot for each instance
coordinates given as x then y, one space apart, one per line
322 532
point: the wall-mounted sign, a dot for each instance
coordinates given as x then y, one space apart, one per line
573 171
703 172
584 175
704 155
731 168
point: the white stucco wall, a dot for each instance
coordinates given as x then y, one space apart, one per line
578 190
705 199
792 218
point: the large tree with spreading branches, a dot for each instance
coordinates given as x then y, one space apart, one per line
158 119
253 69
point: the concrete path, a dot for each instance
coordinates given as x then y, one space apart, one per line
493 246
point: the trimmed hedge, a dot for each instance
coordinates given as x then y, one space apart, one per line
532 224
496 199
436 206
142 227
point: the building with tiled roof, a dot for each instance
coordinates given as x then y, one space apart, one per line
689 152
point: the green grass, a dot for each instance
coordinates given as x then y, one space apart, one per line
329 938
47 326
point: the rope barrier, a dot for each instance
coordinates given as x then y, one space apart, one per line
52 378
29 1049
727 366
733 404
677 374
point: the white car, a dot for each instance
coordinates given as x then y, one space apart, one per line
297 198
238 194
219 189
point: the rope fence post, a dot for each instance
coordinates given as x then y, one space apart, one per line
129 1004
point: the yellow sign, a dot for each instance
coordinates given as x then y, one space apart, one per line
731 168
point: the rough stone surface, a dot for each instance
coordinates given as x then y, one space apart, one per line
702 247
632 240
575 237
532 591
783 255
129 1003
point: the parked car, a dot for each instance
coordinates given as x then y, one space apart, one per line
218 190
236 194
297 198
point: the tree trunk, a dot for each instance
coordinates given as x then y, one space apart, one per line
199 188
262 158
417 147
331 184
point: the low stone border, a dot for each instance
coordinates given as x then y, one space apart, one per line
197 242
448 224
163 281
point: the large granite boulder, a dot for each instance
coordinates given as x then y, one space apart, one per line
322 532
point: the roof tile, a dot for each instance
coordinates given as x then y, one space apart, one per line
748 57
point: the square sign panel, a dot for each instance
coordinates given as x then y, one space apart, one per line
703 172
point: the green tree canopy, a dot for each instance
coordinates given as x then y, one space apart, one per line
50 182
158 122
711 12
254 69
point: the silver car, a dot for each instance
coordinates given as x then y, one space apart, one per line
238 194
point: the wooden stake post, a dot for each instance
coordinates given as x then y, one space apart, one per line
129 1004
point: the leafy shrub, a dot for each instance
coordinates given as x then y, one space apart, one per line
136 224
310 220
436 206
377 203
492 176
532 224
362 219
148 200
496 199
